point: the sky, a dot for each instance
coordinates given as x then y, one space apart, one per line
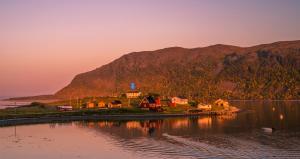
45 43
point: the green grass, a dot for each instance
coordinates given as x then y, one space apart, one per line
177 109
82 102
40 110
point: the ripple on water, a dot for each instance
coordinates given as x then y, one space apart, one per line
223 147
242 148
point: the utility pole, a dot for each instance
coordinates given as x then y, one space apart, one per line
77 102
15 117
15 109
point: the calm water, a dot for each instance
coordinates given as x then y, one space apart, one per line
236 136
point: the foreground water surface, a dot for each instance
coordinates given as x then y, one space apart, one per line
244 135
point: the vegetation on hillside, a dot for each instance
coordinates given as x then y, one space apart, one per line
270 71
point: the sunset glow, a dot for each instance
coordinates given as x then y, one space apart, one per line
44 44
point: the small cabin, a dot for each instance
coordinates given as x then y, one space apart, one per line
101 104
204 107
150 102
178 100
115 104
133 94
64 108
90 105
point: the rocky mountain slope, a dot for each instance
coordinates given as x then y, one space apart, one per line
268 71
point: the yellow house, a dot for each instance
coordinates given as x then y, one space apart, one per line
90 105
222 103
204 107
133 94
101 104
115 104
177 100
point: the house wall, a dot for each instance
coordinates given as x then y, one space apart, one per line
177 100
133 94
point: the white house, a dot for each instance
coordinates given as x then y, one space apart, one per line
177 100
133 94
205 107
65 108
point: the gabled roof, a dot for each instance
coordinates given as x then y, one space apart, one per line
133 92
116 102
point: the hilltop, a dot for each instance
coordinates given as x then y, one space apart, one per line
268 71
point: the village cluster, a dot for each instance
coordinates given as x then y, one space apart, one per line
150 102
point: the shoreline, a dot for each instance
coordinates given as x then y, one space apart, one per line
124 117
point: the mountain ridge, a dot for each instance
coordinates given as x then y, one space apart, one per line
206 72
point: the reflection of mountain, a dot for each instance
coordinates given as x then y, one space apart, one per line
277 114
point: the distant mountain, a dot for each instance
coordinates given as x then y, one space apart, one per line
34 98
268 71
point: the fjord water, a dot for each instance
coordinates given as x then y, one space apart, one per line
232 136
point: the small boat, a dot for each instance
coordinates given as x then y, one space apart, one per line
65 108
268 130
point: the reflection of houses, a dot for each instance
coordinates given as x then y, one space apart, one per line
133 94
204 107
150 102
103 124
177 100
115 104
221 119
133 125
205 122
180 123
91 124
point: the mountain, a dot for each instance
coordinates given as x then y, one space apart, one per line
268 71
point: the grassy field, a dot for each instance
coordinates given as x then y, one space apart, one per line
41 109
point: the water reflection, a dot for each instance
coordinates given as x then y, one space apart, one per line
205 123
155 128
227 136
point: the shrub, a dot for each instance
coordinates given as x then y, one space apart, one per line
193 103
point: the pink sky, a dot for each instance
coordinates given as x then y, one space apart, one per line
44 44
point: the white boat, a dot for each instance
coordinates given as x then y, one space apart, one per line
268 130
65 108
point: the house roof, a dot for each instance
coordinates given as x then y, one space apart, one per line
133 92
179 98
116 102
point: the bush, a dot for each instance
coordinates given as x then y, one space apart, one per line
37 104
193 103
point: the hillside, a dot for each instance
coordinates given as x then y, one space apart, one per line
268 71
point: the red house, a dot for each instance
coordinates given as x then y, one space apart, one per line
151 103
